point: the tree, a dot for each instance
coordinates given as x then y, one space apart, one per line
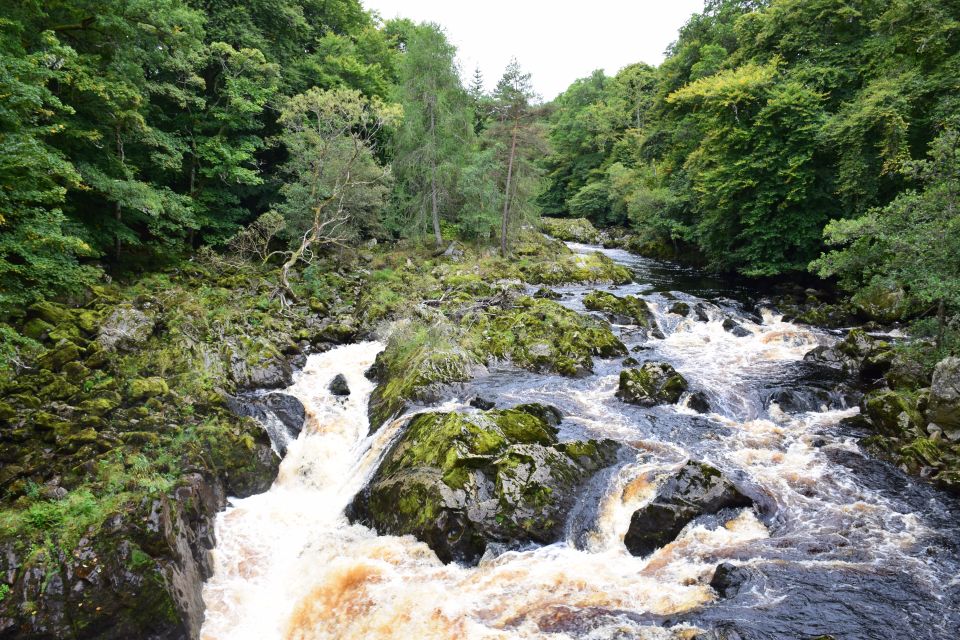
334 185
38 255
912 242
429 147
518 134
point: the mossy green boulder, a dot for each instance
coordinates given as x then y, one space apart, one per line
594 268
625 310
570 229
461 481
142 388
652 384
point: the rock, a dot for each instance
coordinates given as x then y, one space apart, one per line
630 362
37 329
51 312
461 482
652 384
547 294
484 405
59 355
730 326
699 402
694 490
339 386
700 313
258 365
143 388
728 578
944 405
906 373
273 411
625 310
680 308
125 329
882 304
570 229
892 413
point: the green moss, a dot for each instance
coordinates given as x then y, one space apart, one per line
631 307
142 388
541 335
570 229
572 269
893 413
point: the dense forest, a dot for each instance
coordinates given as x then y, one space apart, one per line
198 195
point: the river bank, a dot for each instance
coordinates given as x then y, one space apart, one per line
461 327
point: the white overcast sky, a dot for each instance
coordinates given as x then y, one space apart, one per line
557 42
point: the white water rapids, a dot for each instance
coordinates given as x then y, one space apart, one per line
288 565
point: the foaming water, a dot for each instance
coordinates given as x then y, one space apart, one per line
289 565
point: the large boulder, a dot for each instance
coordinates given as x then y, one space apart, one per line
893 413
280 414
258 364
944 407
460 482
696 489
125 329
625 310
652 384
570 229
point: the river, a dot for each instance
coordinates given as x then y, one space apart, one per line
843 544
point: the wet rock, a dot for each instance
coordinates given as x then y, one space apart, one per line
728 578
125 329
652 384
699 402
694 490
484 405
287 409
460 482
944 406
339 386
700 313
630 362
547 294
731 326
680 308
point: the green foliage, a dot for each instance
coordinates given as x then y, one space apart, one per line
913 241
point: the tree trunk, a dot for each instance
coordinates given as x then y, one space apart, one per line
117 207
505 220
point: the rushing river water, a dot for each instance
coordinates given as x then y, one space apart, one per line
842 544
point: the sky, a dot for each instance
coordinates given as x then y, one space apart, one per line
554 43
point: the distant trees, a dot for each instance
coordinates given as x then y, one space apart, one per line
767 119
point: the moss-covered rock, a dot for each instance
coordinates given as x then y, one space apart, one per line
59 355
142 388
570 229
893 413
625 310
51 312
595 268
652 384
461 481
944 407
542 335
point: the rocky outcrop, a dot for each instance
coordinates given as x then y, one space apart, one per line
570 229
944 407
125 329
694 490
460 482
652 384
736 329
625 310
